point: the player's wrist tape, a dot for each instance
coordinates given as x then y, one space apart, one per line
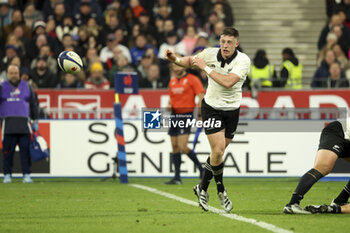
207 69
177 60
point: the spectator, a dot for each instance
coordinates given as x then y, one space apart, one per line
96 79
334 21
343 6
121 36
69 81
35 45
12 39
107 51
67 44
90 58
67 27
161 3
48 8
136 8
322 72
190 39
5 13
343 39
17 106
121 65
94 29
51 30
85 13
218 29
147 27
42 76
197 6
336 77
226 12
340 57
164 12
153 81
111 25
10 52
17 19
146 62
128 19
331 40
51 62
202 42
136 30
212 19
139 49
16 61
31 15
190 19
262 73
115 9
59 13
292 70
171 43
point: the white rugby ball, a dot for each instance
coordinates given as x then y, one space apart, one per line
69 62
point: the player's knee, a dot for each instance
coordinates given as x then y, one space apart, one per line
218 152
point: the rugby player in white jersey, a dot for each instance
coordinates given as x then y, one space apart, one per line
334 144
226 68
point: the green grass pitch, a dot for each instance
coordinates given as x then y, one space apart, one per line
92 205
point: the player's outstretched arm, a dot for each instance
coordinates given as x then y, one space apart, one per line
226 81
181 61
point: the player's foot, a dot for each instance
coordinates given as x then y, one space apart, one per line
7 178
322 209
225 202
294 209
340 204
203 197
27 179
174 181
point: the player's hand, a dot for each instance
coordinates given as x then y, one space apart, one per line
170 55
199 63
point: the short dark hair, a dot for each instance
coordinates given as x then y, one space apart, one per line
230 31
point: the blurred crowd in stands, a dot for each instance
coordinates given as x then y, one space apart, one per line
109 35
334 47
132 35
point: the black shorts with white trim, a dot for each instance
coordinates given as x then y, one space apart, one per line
332 138
228 119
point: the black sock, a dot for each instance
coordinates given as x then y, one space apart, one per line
344 195
177 164
192 155
336 209
305 183
207 175
218 171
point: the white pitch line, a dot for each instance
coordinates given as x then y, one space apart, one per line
261 224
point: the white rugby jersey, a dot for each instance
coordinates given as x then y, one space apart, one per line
217 96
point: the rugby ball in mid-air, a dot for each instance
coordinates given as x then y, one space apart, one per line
69 62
